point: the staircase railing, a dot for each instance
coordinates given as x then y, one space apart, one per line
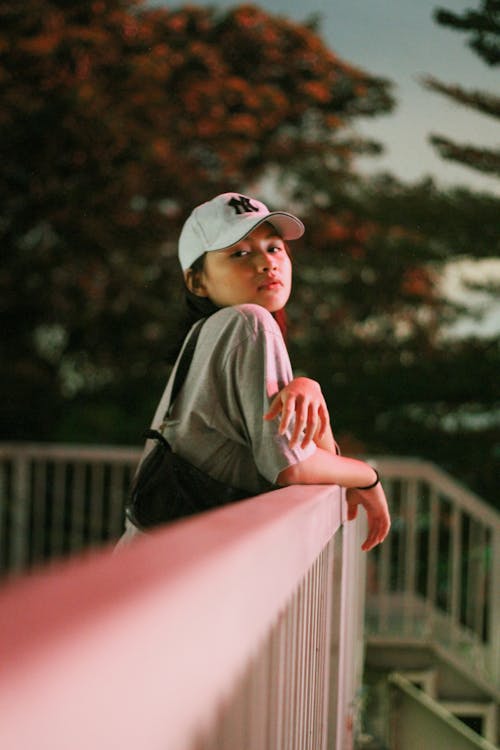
437 576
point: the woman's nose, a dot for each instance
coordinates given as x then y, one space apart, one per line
265 262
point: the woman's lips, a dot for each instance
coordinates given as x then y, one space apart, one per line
270 285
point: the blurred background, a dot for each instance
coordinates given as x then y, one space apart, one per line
377 122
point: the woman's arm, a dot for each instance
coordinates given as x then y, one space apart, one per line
327 441
322 467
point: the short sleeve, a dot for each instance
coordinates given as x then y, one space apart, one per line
254 371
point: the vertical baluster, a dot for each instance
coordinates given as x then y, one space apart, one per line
118 495
311 660
311 655
493 599
400 563
284 686
302 644
96 502
335 699
410 553
78 507
39 504
316 651
455 572
432 561
482 592
328 716
313 651
18 549
287 690
58 508
294 671
474 574
383 572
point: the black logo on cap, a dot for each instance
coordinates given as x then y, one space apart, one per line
242 205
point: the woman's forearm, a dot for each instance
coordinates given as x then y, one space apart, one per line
323 467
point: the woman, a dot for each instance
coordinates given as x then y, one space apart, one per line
238 273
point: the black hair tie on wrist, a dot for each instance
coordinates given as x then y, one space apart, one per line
373 484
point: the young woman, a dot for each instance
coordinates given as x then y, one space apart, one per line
240 416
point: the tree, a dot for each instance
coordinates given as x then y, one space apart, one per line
115 120
483 26
370 319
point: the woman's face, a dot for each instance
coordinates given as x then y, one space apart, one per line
257 269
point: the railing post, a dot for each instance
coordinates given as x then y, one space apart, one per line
455 565
494 605
19 547
410 553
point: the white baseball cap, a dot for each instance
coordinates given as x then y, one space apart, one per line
227 219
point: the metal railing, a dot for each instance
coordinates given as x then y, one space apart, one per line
240 627
56 500
437 576
435 579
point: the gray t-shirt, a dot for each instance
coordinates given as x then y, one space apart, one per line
239 365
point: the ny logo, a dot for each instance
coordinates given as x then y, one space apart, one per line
242 205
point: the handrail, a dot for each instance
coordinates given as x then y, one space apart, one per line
419 469
208 630
417 720
437 577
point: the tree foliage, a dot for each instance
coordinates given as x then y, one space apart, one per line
116 119
483 27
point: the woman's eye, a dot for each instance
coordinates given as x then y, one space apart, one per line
239 254
275 248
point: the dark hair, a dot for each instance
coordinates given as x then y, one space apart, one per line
198 307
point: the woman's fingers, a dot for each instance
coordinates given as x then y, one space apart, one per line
288 410
275 408
324 419
308 412
300 421
312 427
377 513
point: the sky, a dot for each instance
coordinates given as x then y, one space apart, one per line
399 40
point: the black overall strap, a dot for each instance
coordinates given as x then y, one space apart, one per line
183 367
180 376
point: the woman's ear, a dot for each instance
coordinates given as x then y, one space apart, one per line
195 283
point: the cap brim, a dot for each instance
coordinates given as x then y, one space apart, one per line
287 226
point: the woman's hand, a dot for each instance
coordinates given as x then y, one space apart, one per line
377 512
303 399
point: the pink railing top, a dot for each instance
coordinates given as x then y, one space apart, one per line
132 649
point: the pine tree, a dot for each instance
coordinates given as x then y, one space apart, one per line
483 28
